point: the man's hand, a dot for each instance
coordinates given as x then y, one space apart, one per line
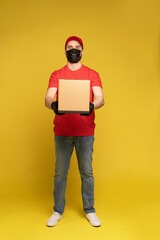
54 106
91 107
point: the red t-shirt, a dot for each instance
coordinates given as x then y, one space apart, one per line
73 124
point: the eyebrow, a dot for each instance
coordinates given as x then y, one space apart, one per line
75 46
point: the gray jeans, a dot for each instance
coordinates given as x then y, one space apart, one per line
64 146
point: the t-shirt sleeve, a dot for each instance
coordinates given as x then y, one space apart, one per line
53 81
96 80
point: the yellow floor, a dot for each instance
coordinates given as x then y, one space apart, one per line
124 215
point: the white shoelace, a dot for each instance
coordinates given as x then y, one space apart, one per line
94 217
55 213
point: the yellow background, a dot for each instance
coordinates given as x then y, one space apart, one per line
122 43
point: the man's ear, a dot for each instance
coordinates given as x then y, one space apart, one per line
82 51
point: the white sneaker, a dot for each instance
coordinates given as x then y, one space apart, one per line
54 218
93 219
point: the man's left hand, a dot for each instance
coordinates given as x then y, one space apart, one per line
91 107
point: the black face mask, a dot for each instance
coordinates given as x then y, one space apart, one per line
73 55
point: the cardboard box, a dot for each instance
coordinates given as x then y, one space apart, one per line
73 96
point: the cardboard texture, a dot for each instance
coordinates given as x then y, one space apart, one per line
73 96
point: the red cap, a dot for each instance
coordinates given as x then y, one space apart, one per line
74 38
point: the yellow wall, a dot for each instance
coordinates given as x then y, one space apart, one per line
121 42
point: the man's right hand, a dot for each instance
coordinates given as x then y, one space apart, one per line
54 106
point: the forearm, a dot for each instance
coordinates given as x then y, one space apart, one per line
48 102
98 102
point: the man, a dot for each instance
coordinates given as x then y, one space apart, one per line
73 129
